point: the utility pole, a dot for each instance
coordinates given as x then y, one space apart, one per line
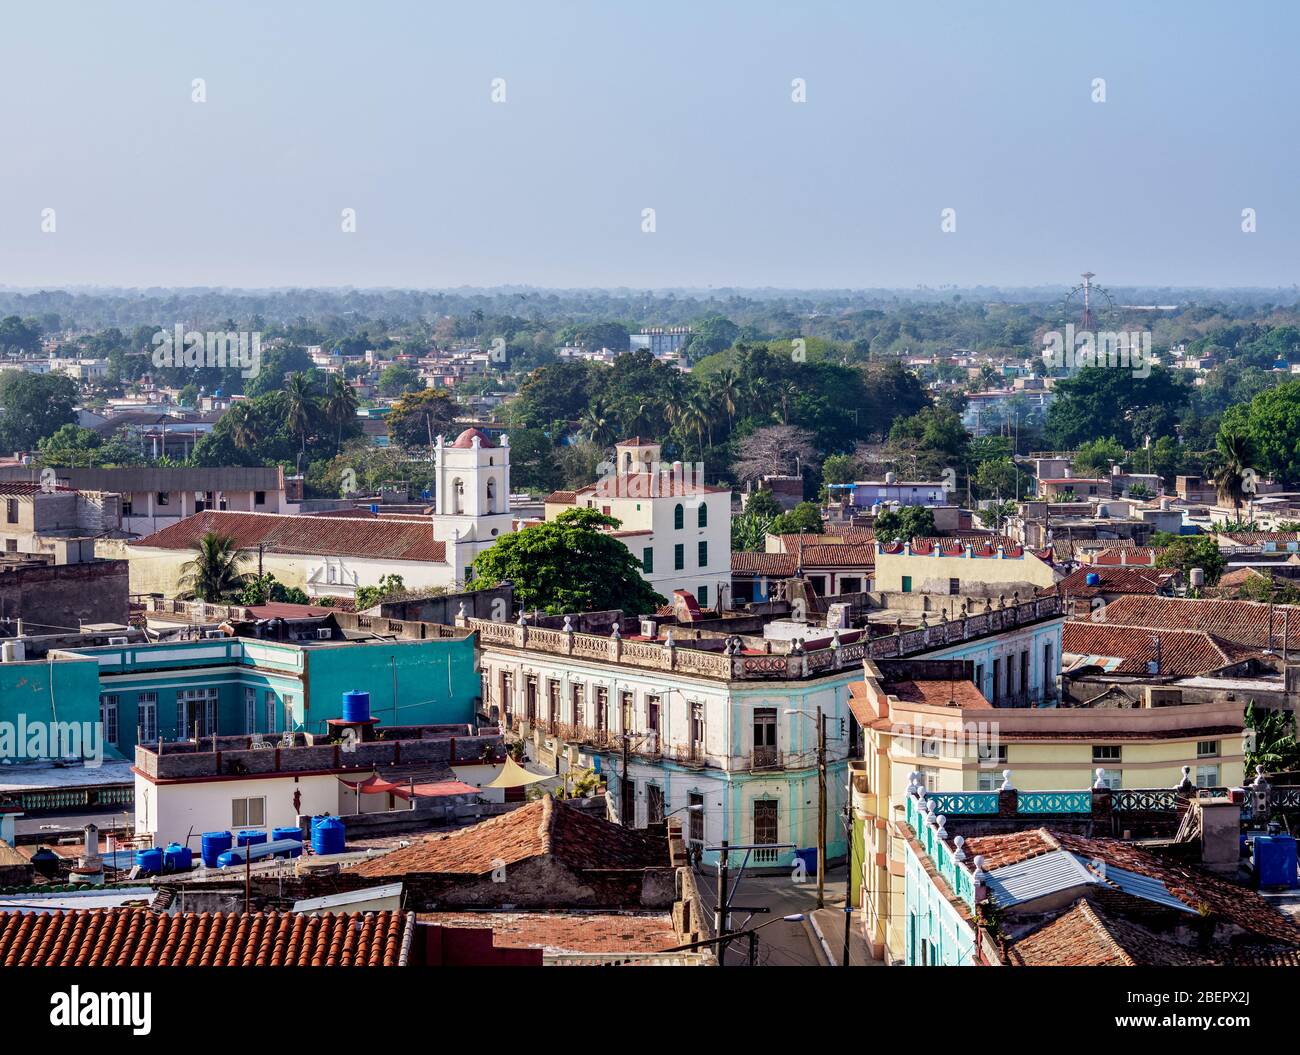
821 810
848 882
720 908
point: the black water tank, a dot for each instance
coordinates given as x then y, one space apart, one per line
46 862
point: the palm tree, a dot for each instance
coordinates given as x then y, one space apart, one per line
243 426
340 406
596 424
215 572
726 390
297 391
699 408
1234 478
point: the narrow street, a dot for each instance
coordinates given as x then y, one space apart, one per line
785 944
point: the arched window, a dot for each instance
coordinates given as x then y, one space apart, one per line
458 493
679 517
704 515
491 495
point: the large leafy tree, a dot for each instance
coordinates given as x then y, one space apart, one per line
1270 424
1104 401
1199 552
215 573
419 416
35 406
569 564
904 524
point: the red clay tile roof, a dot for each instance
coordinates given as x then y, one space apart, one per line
1123 556
578 840
1115 580
1086 936
568 931
845 537
838 556
1196 889
319 536
956 693
1245 622
1254 538
561 498
140 938
781 565
1183 653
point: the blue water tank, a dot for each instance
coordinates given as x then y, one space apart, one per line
230 857
1092 579
213 845
150 862
356 706
249 838
178 858
286 833
1275 860
328 836
809 858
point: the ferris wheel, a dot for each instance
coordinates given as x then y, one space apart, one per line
1087 304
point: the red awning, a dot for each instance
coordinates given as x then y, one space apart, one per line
376 785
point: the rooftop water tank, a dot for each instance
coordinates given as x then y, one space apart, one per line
356 706
1275 860
328 836
286 833
229 858
150 862
1092 579
248 838
46 862
1198 577
214 844
178 858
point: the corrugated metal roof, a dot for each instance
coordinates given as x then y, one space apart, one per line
1060 870
1144 887
1037 877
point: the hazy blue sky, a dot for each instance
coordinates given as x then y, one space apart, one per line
684 107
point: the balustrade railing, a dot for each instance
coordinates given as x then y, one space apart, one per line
658 655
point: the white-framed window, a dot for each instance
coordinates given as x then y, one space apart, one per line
928 746
1207 776
1110 778
272 726
248 813
1106 752
1207 748
250 710
987 780
992 754
290 709
929 777
147 716
108 718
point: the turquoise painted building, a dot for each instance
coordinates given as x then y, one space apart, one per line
936 934
232 686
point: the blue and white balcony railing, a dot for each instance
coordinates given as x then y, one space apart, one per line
927 813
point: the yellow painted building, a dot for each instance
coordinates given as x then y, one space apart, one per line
921 717
957 568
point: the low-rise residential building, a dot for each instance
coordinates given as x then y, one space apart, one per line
153 498
961 567
58 521
39 595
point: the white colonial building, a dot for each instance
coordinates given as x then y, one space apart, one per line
727 722
675 525
472 497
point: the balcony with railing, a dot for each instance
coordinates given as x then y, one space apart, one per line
731 661
761 758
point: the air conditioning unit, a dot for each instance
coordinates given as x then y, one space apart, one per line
119 640
324 634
